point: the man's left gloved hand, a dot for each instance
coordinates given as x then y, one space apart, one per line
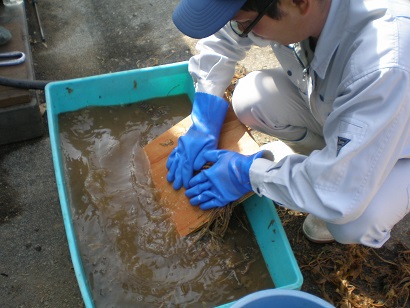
208 114
226 181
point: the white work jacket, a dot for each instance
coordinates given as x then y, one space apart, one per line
356 84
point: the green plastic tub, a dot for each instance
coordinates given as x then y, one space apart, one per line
139 85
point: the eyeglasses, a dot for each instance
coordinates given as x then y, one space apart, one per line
243 28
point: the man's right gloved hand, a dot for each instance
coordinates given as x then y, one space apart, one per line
208 115
225 181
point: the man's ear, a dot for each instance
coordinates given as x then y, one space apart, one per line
302 5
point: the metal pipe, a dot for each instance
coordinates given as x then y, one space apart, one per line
38 20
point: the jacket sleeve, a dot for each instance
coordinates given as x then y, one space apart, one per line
366 134
213 68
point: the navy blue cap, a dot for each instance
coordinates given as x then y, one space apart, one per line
202 18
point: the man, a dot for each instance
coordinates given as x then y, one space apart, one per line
341 100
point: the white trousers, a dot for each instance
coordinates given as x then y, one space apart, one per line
267 101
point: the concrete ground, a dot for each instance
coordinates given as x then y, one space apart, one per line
83 38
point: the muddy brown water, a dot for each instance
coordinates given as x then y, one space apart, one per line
131 253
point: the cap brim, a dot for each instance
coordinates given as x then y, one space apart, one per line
202 18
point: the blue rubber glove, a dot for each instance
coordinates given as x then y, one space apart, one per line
208 115
226 181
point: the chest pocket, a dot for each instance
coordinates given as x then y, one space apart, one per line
293 67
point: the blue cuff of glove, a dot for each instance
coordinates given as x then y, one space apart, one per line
208 112
246 168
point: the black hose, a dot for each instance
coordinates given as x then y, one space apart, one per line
23 84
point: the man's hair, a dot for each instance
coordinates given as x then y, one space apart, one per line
259 5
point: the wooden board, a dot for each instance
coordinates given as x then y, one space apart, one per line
187 218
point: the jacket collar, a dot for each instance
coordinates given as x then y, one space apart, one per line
332 33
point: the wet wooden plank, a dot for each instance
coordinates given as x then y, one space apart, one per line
187 218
